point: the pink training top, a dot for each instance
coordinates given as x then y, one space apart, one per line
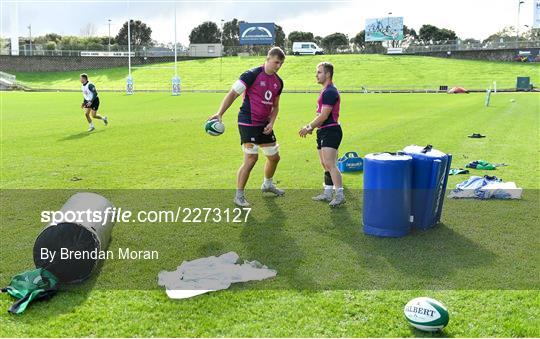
259 97
329 97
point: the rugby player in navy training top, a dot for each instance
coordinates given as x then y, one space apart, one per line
261 88
91 102
329 134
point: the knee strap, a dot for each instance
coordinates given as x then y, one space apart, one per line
254 150
270 150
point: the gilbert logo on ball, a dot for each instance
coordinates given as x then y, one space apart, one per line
426 314
214 127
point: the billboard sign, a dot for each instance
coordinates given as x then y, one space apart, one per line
105 54
384 29
257 33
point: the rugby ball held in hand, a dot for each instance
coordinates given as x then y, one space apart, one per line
214 127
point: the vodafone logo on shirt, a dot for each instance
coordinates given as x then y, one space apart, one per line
267 94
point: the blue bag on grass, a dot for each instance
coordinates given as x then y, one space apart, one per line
350 162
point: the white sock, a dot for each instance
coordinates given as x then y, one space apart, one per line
91 124
239 193
339 190
328 189
268 182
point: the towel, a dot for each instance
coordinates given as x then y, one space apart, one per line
209 274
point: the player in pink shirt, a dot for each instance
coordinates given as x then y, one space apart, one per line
261 88
329 134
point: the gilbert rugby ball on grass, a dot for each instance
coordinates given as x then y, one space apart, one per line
426 314
214 127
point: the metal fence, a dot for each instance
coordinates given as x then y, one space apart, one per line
143 51
458 46
408 48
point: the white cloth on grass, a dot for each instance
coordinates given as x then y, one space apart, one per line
485 188
501 190
209 274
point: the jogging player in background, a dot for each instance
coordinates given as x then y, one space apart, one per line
329 135
261 88
91 102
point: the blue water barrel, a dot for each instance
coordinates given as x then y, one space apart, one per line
430 176
387 194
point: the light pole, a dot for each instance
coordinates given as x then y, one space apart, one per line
109 35
30 34
388 26
517 26
221 53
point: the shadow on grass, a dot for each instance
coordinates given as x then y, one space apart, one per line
266 240
312 246
438 258
80 135
423 334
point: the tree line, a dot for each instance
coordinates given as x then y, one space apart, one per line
228 34
209 32
140 36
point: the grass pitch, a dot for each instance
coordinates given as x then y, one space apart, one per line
482 262
332 280
158 141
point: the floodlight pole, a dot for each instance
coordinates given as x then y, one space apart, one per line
175 53
388 25
129 47
517 26
221 54
30 34
129 80
109 35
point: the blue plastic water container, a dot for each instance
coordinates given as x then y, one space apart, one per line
430 176
387 194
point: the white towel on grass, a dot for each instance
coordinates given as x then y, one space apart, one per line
486 188
209 274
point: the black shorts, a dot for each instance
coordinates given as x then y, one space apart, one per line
95 104
254 135
329 137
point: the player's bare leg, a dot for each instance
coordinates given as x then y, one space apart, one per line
272 160
95 115
329 157
87 114
328 184
250 159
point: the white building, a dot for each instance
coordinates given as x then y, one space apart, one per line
205 50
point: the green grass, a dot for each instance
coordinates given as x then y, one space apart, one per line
273 313
332 280
45 143
352 72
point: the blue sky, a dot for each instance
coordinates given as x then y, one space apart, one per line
469 18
